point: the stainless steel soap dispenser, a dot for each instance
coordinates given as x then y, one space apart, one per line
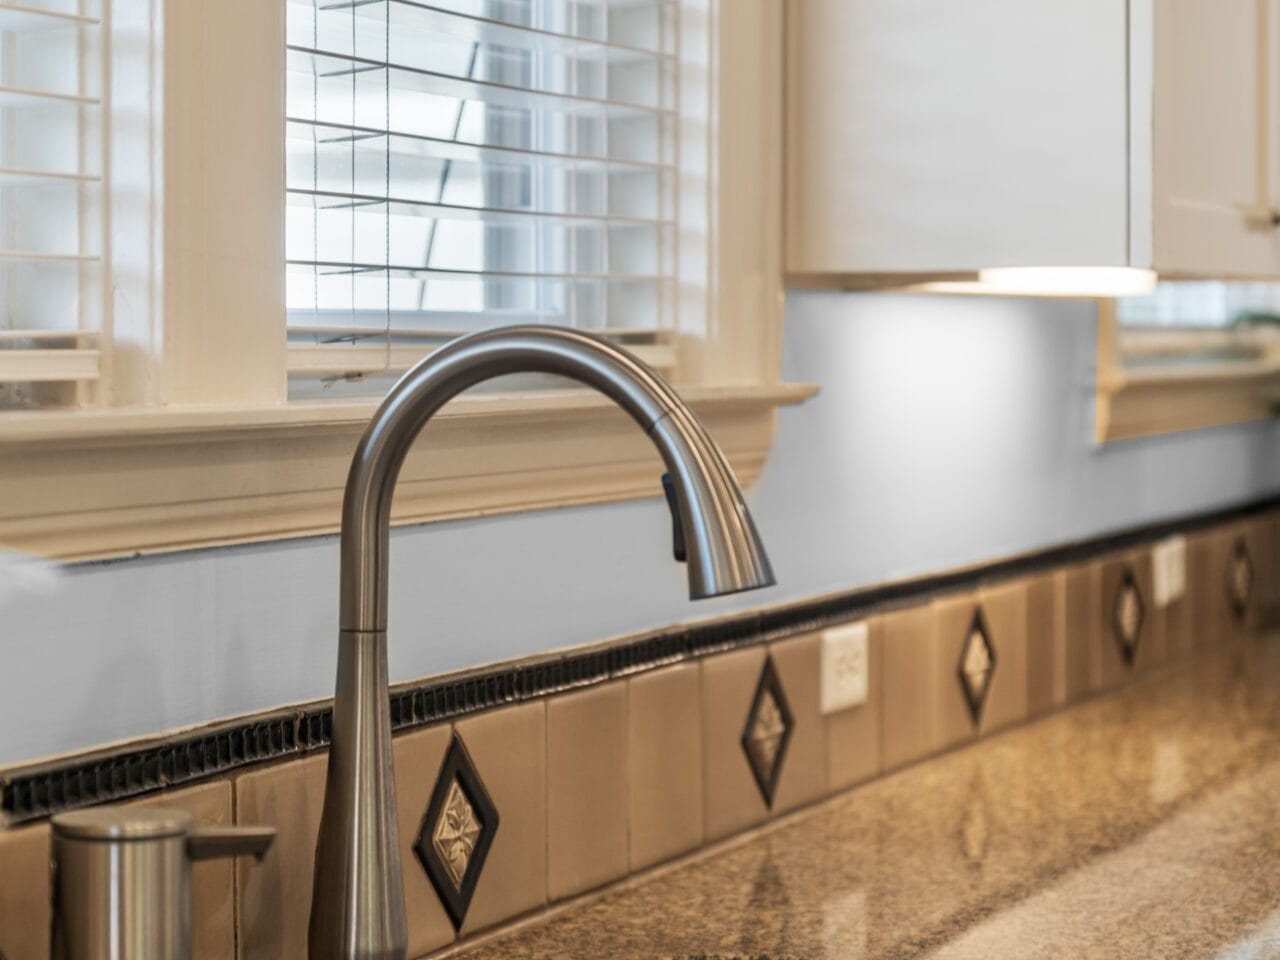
122 880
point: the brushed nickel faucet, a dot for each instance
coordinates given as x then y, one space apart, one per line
357 906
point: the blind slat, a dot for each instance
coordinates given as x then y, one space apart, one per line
48 336
19 18
466 22
33 178
336 200
469 26
382 269
419 145
48 99
327 64
362 359
48 258
34 365
339 332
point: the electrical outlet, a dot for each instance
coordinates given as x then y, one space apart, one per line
844 667
1168 570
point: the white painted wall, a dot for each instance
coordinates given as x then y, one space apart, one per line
947 430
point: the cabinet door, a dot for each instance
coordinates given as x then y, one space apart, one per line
1217 161
936 135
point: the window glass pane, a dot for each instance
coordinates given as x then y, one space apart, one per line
470 163
1202 303
1186 323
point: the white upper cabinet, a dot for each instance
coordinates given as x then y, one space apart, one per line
936 137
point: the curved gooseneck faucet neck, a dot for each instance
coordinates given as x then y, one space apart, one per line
357 902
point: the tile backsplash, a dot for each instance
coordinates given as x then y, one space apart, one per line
505 810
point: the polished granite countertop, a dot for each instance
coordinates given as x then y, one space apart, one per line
1145 823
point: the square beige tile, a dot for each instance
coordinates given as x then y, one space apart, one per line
26 898
664 773
1211 622
854 735
802 778
953 618
1005 609
213 933
732 800
1268 569
509 749
417 757
274 897
1080 589
910 681
586 789
1176 617
1046 644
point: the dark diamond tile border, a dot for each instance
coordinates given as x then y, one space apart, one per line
1127 639
35 790
1240 579
457 767
976 699
768 686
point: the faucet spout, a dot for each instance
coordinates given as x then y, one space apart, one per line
357 908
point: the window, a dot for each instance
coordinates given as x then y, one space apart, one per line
303 198
1192 354
52 205
474 163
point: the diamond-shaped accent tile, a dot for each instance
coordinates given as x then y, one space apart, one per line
1127 616
977 666
1240 579
768 731
456 832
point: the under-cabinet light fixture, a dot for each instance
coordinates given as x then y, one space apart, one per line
1051 282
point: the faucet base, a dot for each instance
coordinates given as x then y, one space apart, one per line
357 905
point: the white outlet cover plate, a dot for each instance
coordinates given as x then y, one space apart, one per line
845 667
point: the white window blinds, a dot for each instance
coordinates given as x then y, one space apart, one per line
52 209
471 163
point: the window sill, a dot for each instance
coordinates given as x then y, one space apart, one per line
1154 380
98 484
1167 398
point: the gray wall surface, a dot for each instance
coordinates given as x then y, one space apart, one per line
948 430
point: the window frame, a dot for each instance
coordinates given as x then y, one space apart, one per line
200 447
